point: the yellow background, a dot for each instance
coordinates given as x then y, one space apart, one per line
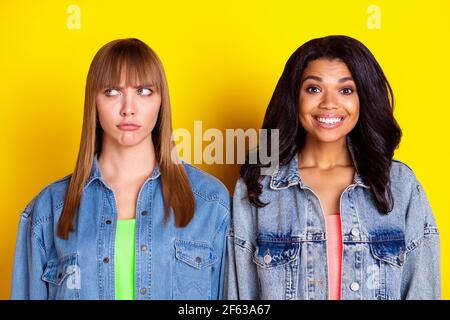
222 61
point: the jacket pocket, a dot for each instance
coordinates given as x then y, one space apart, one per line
194 261
389 253
277 260
63 277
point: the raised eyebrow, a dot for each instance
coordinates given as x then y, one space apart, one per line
313 78
344 79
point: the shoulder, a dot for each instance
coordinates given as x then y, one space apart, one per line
47 201
410 198
407 190
206 186
401 169
402 175
241 188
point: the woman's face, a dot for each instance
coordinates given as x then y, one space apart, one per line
128 114
329 103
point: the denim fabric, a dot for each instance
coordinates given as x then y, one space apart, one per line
171 262
279 251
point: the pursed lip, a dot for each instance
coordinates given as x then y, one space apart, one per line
128 126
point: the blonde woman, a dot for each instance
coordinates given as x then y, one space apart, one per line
131 222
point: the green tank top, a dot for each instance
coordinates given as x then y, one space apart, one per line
124 259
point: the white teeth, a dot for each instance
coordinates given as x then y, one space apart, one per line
329 120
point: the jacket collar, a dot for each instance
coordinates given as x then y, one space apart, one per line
286 176
96 174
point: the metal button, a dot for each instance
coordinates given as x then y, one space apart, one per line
144 213
59 276
144 247
106 260
355 232
108 221
143 291
354 286
198 260
267 259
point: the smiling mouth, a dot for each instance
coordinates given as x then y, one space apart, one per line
329 120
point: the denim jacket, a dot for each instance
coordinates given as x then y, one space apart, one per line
170 262
279 251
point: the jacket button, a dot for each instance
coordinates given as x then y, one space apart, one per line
267 259
106 260
108 221
144 213
143 291
198 260
355 232
354 286
144 247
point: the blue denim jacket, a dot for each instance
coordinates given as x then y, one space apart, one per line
279 251
171 262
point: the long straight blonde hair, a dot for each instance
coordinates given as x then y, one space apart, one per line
140 64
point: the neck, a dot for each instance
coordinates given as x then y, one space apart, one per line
118 163
324 155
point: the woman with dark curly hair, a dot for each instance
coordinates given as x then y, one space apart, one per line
338 218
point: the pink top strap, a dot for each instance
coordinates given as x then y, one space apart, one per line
334 255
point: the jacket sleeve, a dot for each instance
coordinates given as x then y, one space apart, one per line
241 274
29 260
421 278
220 246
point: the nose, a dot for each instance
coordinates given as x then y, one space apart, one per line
329 101
128 105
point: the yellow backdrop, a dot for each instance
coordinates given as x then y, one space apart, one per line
222 61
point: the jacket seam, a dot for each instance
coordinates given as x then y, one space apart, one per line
213 198
245 244
414 244
39 241
39 222
224 221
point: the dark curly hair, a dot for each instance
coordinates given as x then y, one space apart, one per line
375 136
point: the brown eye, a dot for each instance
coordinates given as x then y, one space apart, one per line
347 91
312 90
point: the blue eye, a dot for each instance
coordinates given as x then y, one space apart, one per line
312 90
111 92
347 91
145 91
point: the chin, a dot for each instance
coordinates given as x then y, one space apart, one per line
329 138
128 143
